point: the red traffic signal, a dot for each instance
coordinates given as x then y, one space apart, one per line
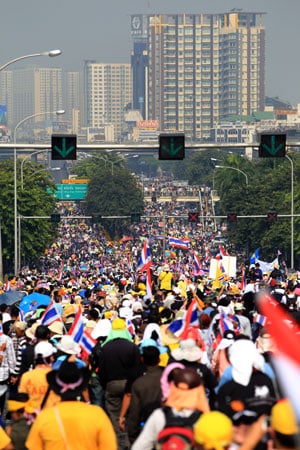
232 217
193 217
272 216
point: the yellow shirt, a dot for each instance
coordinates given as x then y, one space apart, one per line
34 383
4 439
85 427
165 279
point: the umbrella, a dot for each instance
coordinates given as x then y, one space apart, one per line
32 301
11 297
126 239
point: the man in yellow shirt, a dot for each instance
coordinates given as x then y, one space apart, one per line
34 382
72 424
165 279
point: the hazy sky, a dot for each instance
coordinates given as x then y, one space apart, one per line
97 29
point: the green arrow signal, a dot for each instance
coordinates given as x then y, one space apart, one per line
171 150
64 151
273 149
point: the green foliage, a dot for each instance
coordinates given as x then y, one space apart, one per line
113 191
32 200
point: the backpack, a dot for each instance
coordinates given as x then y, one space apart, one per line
177 433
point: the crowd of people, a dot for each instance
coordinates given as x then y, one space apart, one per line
131 344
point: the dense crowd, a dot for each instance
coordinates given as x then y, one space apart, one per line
134 344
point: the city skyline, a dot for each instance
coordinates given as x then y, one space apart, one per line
91 30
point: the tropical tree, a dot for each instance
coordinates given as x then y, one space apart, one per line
34 200
113 191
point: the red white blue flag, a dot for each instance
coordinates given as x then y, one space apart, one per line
76 330
50 315
179 243
87 342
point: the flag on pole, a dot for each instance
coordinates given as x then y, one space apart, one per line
145 256
179 243
76 330
285 333
50 315
254 257
259 319
87 342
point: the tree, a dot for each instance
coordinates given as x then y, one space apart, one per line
33 200
111 192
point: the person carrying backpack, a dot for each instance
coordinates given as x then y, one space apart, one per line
171 426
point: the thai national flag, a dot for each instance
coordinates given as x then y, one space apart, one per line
260 319
228 322
21 315
145 257
76 330
176 327
178 243
87 342
196 262
286 359
222 251
50 315
180 327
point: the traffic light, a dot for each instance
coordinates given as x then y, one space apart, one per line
193 217
135 217
272 216
272 145
55 218
96 218
63 147
232 217
171 147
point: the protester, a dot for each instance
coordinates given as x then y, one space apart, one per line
71 424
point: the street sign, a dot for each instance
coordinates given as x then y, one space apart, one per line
272 145
71 191
171 147
63 146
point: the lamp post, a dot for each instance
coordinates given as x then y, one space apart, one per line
292 210
49 169
234 168
15 164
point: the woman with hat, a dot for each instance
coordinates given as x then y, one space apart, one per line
71 424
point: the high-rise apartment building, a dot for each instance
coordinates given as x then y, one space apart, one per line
73 100
201 68
108 92
31 91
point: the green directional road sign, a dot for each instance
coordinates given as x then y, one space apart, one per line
272 145
71 191
171 146
63 146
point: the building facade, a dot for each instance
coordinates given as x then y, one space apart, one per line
108 94
200 68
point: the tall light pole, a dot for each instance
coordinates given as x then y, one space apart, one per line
292 210
16 265
234 168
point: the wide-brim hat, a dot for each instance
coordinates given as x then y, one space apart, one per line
69 381
68 345
188 351
57 327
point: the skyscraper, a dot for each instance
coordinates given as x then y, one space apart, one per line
108 92
201 68
32 91
74 101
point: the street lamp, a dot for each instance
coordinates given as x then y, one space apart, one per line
49 169
292 210
51 54
59 112
234 168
